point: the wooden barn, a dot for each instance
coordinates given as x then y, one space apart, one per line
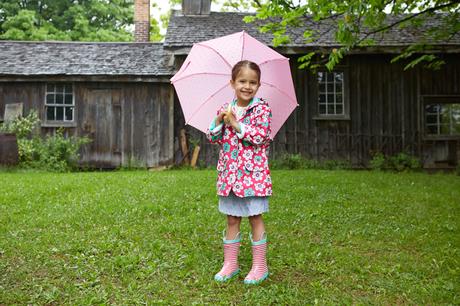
117 94
366 105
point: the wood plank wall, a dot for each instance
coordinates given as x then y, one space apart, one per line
130 123
385 114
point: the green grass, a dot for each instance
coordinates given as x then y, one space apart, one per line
336 237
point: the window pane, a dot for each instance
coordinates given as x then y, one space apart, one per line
338 99
322 88
330 77
338 88
339 109
330 109
330 98
431 108
68 99
322 109
59 98
59 88
50 113
69 113
50 99
445 129
322 98
321 77
431 119
59 113
68 88
330 88
431 129
338 77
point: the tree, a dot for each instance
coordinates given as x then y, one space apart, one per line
359 23
77 20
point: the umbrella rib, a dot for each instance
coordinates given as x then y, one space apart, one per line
230 66
242 48
205 102
282 91
199 73
272 60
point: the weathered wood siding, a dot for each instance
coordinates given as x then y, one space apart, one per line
128 122
385 115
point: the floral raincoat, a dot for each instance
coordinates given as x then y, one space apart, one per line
243 157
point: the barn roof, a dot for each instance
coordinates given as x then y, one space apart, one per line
83 58
184 31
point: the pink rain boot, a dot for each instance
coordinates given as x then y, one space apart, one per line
259 270
230 268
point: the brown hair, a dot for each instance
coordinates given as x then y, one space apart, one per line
245 64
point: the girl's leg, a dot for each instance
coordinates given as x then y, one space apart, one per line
259 270
257 226
233 227
231 241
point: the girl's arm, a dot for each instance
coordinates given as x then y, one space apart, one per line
214 132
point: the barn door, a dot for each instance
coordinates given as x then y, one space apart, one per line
102 123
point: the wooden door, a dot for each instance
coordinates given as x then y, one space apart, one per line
102 123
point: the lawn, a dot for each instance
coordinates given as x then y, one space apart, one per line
335 237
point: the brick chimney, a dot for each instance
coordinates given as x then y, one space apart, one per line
141 20
196 7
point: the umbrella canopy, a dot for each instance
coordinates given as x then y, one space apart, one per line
203 81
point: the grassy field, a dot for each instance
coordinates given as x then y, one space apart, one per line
336 237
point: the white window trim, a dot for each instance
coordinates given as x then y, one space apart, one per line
59 123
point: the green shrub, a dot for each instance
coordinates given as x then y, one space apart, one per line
378 162
54 153
399 162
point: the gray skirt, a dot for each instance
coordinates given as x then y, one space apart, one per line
242 207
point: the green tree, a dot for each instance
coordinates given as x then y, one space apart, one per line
77 20
358 23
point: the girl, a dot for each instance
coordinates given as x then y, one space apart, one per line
242 128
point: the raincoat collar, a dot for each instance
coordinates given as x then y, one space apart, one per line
254 102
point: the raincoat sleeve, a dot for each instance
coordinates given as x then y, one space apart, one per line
214 133
257 132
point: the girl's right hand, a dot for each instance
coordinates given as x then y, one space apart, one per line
220 118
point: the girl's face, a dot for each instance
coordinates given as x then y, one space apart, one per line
245 85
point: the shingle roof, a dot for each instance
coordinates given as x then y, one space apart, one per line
184 31
83 58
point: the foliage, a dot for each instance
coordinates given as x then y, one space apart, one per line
54 152
399 162
94 20
359 23
131 238
297 161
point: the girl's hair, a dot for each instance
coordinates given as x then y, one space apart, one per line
245 64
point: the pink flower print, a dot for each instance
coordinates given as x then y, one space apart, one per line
248 154
234 141
257 139
257 176
238 187
232 167
259 186
247 181
258 159
249 165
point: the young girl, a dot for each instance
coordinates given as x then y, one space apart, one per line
242 128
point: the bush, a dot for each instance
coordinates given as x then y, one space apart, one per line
54 153
399 162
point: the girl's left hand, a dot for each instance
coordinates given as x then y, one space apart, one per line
230 120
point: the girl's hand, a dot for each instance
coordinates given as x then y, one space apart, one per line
220 118
230 120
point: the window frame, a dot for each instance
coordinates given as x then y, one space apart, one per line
345 96
59 123
436 99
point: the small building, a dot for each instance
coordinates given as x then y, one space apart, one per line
365 106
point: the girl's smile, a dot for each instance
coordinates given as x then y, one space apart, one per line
245 85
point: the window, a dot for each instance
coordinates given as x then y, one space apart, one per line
331 94
59 104
442 117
